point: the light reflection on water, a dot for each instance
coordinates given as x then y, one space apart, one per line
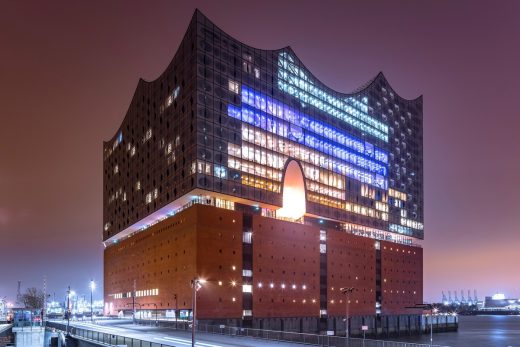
479 331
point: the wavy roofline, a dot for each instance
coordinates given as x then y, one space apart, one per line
355 92
142 81
367 85
197 12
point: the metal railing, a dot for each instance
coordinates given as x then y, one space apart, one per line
304 338
272 335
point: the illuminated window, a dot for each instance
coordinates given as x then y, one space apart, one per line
147 135
233 86
176 92
220 171
148 198
247 273
138 185
323 248
296 82
247 237
116 169
372 172
323 235
247 313
247 288
246 64
203 167
412 223
299 121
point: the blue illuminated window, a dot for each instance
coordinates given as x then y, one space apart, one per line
220 171
277 127
301 128
400 229
278 109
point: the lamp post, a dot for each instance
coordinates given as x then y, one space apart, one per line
347 291
196 284
68 311
92 287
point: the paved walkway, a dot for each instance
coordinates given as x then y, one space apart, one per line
176 338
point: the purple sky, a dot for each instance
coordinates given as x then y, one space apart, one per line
68 71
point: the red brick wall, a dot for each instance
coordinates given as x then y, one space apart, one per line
402 277
219 260
350 263
285 253
206 242
160 257
164 255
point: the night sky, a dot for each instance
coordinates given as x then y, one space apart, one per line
68 70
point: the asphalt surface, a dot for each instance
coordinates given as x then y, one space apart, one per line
171 337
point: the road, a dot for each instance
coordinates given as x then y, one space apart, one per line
171 337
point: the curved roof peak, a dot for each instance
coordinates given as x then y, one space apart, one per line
379 77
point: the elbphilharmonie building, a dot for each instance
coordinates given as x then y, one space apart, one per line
237 166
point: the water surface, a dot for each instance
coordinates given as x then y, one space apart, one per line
479 331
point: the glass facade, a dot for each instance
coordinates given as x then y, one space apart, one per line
226 119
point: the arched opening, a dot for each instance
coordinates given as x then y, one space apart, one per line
294 204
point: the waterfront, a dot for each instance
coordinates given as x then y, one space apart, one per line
479 331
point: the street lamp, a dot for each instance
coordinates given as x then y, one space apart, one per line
68 311
92 287
196 284
347 291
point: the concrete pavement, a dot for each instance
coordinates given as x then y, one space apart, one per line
171 337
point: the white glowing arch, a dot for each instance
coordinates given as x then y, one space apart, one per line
294 204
